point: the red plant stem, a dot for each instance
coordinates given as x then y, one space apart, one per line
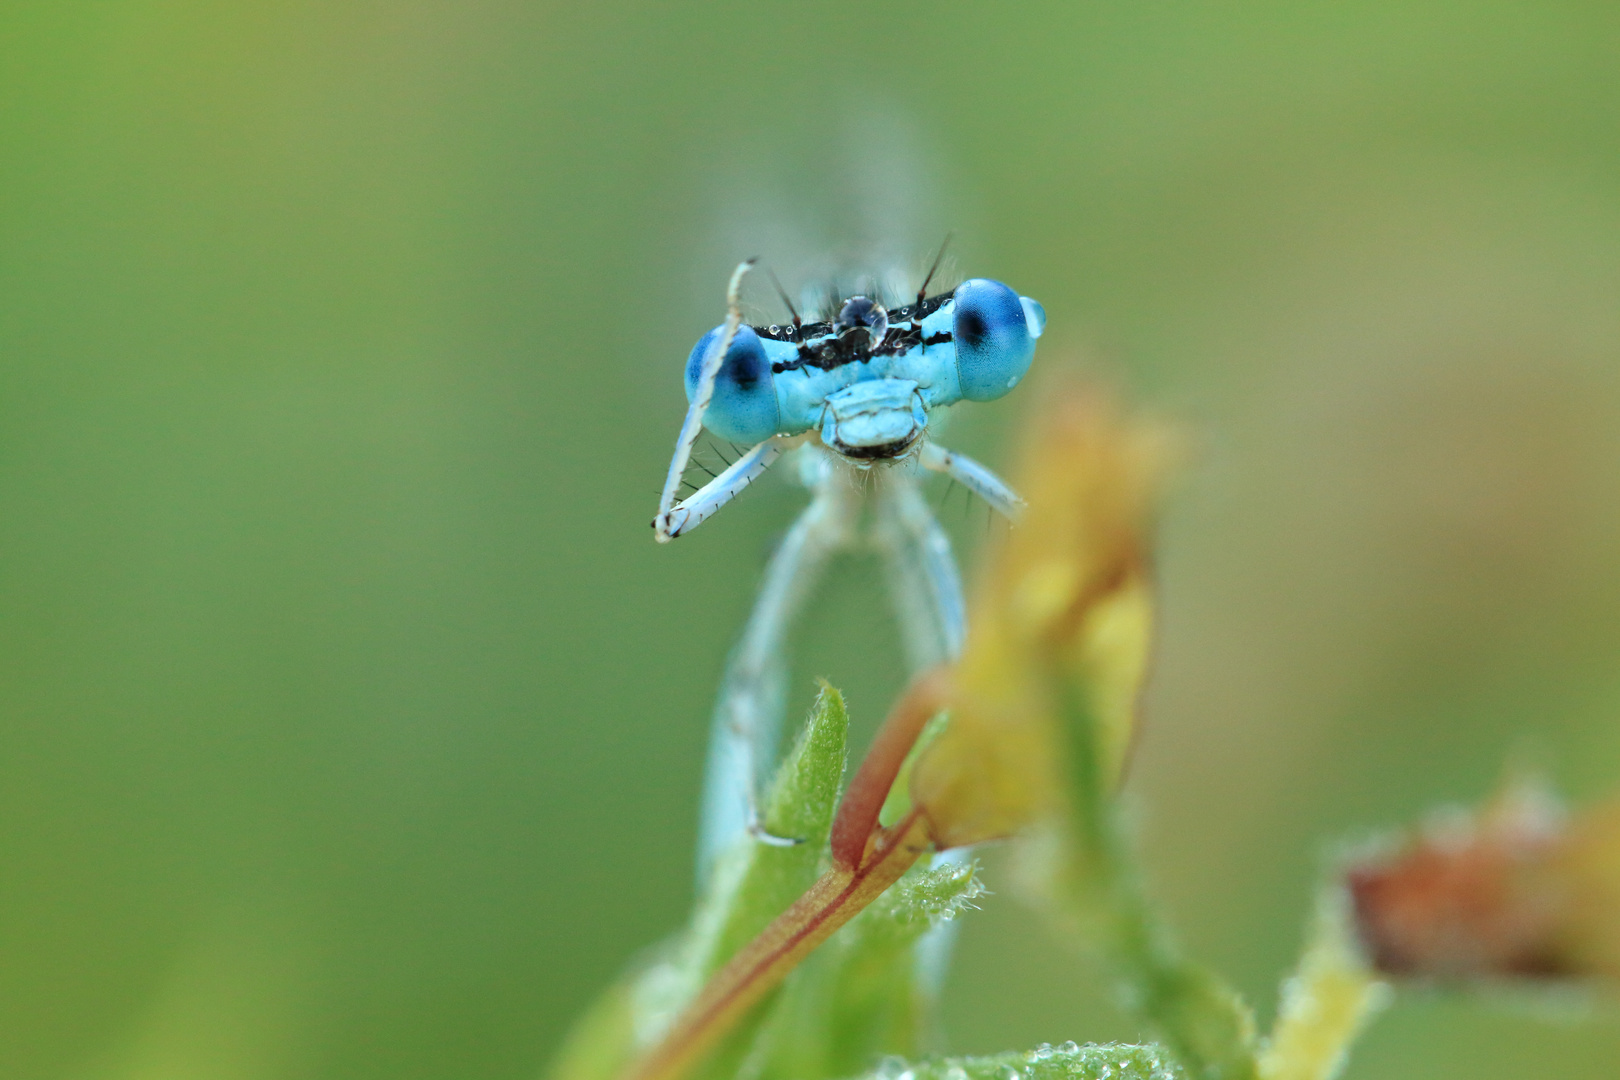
863 799
763 963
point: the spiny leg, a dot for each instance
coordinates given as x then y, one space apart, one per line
748 713
693 423
973 476
698 507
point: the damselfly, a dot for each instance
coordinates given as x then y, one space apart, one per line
850 394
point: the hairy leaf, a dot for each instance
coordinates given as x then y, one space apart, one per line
1113 1061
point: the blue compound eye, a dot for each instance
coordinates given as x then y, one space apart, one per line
743 409
994 331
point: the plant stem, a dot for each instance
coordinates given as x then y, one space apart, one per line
763 963
863 800
1326 1004
1200 1018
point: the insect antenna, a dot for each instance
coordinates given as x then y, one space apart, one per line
798 323
922 293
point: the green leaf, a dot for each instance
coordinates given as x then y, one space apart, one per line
762 879
858 999
595 1048
1114 1061
756 881
918 902
752 884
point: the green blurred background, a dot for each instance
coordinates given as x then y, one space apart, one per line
350 720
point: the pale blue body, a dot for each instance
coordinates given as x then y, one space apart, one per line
839 397
855 390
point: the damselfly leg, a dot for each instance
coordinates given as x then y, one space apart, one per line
748 713
925 588
973 476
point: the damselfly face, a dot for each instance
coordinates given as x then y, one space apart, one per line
867 379
863 381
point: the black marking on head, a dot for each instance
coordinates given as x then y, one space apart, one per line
834 349
912 313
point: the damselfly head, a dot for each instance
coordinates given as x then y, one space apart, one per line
865 375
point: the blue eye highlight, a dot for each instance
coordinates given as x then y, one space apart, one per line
743 409
994 332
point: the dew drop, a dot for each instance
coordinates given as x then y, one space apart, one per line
863 312
1034 316
1070 1047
